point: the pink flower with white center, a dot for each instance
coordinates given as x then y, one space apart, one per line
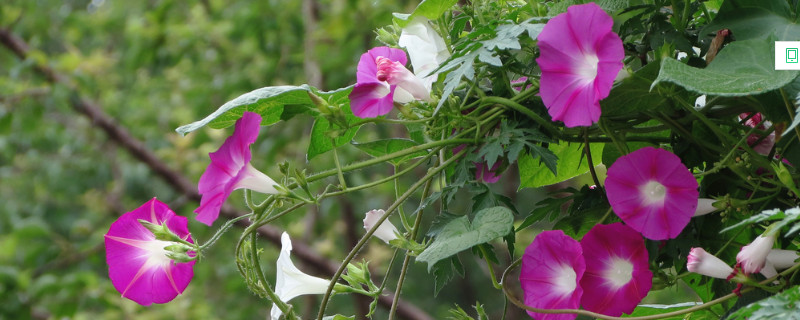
753 256
230 169
386 231
757 121
382 79
552 267
138 264
579 57
652 192
617 274
291 282
702 262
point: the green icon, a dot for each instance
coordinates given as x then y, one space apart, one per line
791 55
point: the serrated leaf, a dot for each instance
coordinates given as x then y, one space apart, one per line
780 306
459 234
766 215
571 163
443 272
383 147
742 68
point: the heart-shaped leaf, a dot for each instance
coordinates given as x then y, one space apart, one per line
458 234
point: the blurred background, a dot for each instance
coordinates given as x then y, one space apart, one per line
149 67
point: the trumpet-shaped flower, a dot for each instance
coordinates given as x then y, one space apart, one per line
579 57
291 282
652 192
426 48
782 259
230 169
702 262
552 267
753 256
617 274
382 79
386 231
704 207
138 263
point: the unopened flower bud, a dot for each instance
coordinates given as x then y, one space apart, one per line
386 231
702 262
753 256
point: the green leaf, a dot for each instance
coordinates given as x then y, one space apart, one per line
571 163
767 215
383 147
322 131
269 102
430 9
444 271
780 306
338 317
633 94
742 68
755 19
459 234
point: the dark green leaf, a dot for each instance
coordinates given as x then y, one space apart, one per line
742 68
783 305
459 234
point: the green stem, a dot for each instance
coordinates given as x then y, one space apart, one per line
547 125
489 266
400 211
385 158
286 309
222 231
372 230
589 160
407 259
342 183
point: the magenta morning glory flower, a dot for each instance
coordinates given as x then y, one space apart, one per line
764 146
579 57
617 275
652 192
382 79
552 267
138 264
230 169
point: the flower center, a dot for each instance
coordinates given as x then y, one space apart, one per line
588 70
565 280
385 68
653 192
156 254
619 272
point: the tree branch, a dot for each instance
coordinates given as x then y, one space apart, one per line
176 180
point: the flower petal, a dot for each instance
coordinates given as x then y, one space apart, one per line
617 274
552 267
137 266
